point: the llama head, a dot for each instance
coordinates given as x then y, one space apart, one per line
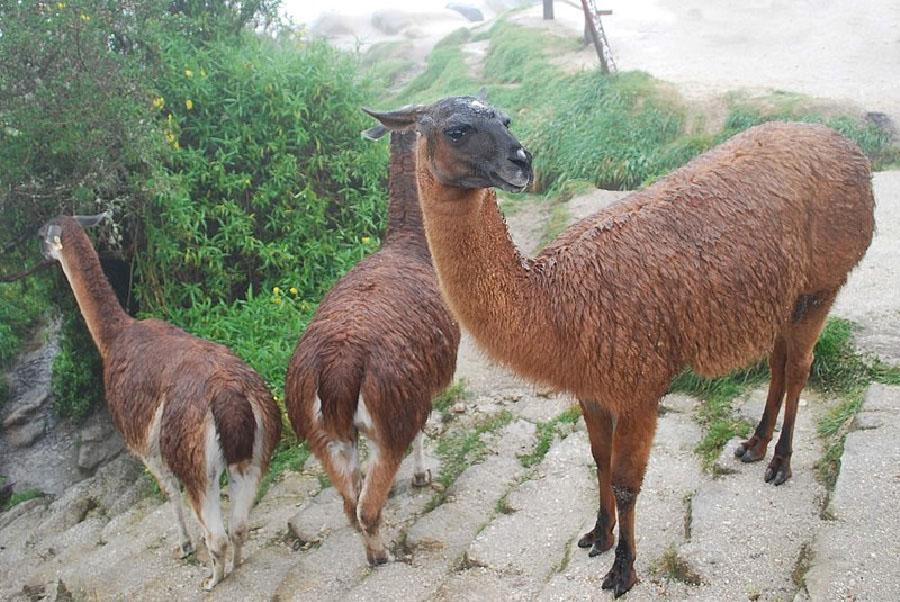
52 233
467 142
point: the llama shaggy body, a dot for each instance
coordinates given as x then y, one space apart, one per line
703 269
188 407
381 344
738 254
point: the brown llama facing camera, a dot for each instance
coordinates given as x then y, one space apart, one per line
737 254
381 345
189 408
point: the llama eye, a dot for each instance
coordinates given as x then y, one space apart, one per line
456 133
507 122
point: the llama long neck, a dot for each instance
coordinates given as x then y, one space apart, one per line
98 303
487 283
404 212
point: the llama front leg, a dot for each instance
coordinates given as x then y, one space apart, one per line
631 449
600 427
421 478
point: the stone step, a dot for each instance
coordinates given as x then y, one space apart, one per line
857 555
662 517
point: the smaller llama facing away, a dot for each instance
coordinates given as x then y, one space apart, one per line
381 345
189 408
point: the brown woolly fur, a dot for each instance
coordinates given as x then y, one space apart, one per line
188 407
738 254
380 346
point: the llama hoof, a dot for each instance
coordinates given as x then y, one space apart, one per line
751 450
779 470
422 479
377 557
183 551
601 545
209 583
620 578
587 540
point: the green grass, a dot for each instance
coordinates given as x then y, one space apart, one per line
21 496
462 448
546 433
675 568
445 400
614 131
838 369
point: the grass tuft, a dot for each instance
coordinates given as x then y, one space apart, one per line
462 448
547 432
675 568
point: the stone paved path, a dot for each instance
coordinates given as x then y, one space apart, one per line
504 531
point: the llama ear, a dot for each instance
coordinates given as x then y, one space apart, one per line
482 94
89 221
401 119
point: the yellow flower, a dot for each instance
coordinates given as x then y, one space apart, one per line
159 102
364 240
188 73
246 182
276 291
275 397
294 291
60 5
86 18
189 104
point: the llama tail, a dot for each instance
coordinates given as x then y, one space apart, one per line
338 393
235 424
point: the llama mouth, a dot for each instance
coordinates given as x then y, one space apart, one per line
508 185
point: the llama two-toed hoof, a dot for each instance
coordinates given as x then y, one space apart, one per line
751 450
209 583
377 557
598 545
601 544
779 470
422 479
620 578
183 550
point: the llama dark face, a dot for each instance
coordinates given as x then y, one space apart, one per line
468 143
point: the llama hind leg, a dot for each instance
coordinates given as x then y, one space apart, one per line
754 448
801 338
341 462
383 465
209 513
170 486
242 487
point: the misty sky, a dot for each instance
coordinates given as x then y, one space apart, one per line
308 10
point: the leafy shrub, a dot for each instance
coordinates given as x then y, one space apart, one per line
269 179
76 382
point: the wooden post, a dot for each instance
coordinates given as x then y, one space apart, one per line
548 10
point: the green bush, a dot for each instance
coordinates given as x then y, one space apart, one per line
77 380
269 179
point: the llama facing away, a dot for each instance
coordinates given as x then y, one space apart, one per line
189 408
738 254
381 344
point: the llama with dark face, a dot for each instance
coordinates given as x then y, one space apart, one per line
738 254
381 345
189 408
